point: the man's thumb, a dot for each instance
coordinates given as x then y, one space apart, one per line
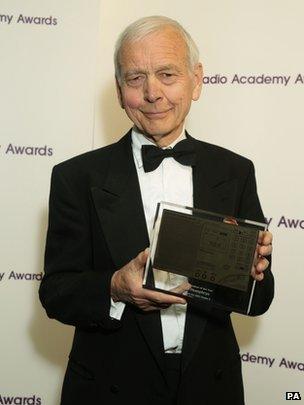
141 258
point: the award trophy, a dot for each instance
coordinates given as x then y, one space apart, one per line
212 252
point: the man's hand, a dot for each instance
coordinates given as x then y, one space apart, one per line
264 248
126 286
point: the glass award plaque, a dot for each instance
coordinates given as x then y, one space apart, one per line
213 253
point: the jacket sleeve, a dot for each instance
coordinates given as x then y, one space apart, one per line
250 208
71 291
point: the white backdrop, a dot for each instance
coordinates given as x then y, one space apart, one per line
47 92
57 99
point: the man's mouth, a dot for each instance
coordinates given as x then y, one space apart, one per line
155 114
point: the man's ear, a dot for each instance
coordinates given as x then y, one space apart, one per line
119 94
198 81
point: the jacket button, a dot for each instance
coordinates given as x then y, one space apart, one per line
218 374
114 388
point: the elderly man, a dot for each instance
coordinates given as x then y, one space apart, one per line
132 345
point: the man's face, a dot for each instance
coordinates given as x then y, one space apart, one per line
157 84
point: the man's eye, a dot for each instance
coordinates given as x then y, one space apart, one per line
133 81
167 77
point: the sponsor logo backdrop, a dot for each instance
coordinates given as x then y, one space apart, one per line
58 99
47 91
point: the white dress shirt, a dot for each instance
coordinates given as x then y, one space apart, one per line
170 182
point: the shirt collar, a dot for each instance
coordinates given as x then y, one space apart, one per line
138 140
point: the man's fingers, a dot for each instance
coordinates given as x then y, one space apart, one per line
145 305
264 246
153 300
141 259
158 298
180 289
265 238
264 250
258 269
259 276
262 265
148 300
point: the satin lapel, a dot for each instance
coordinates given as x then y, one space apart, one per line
120 211
212 191
119 206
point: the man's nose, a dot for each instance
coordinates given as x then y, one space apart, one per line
152 90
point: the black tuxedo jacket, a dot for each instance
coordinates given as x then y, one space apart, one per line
97 225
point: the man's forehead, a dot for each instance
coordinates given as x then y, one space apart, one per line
163 47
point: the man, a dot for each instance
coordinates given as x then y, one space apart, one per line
133 345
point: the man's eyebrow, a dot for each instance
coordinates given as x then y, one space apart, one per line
134 72
168 67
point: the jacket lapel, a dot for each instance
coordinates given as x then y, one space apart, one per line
212 191
120 211
119 206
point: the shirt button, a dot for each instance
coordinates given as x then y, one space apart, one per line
114 388
218 374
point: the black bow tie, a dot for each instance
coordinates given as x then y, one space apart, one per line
183 152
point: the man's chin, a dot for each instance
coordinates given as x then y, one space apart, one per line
158 133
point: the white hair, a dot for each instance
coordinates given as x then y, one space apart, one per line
145 26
